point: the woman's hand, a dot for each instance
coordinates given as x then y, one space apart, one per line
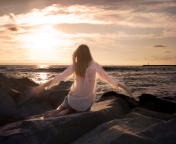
38 89
123 86
130 93
42 87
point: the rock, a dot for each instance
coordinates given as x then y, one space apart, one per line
27 97
20 85
131 101
7 105
151 102
32 109
56 97
115 130
7 108
169 98
161 133
62 86
14 94
152 114
64 129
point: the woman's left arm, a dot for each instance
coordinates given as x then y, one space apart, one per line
112 81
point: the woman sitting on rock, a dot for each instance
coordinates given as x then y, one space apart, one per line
85 72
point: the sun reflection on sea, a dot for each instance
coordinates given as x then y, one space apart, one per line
42 66
42 77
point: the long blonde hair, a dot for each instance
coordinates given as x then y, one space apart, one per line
81 60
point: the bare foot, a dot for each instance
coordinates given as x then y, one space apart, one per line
48 114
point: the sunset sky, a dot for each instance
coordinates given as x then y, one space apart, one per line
118 32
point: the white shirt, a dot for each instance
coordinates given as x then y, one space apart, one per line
82 92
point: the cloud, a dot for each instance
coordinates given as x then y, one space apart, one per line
100 23
169 33
162 58
13 28
24 6
159 46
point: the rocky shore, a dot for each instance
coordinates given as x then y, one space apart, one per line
114 118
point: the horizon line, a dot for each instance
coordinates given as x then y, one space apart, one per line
62 64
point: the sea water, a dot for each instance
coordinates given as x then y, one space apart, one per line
156 80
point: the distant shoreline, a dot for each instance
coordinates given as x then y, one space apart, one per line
159 65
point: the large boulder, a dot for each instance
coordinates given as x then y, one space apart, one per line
153 103
27 97
14 94
152 114
63 85
7 108
64 129
132 129
56 97
131 101
7 105
32 109
20 84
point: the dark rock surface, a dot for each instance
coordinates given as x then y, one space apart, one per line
114 131
153 114
7 105
132 129
14 94
151 102
55 97
20 85
152 122
131 101
32 109
65 129
7 108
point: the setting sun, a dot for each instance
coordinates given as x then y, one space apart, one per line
45 44
43 39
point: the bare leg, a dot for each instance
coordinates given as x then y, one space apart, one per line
64 112
48 114
53 112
